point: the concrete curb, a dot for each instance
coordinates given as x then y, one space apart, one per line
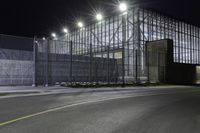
14 92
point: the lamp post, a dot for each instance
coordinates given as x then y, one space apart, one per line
123 8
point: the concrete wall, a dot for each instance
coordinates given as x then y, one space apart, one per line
181 73
198 75
157 52
163 69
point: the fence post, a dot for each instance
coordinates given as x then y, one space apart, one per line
71 43
159 68
123 66
138 51
91 61
148 65
136 66
47 64
124 44
34 61
108 65
165 66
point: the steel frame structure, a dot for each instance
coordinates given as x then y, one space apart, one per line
123 37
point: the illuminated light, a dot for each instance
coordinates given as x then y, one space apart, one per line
99 17
54 35
123 7
80 24
65 30
44 38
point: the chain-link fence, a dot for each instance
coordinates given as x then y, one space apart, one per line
16 60
61 62
27 61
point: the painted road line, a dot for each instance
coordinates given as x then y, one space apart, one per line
81 103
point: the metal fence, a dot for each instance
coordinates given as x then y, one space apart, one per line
16 60
50 62
108 52
61 62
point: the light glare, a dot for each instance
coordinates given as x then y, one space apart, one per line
65 30
123 7
80 24
99 17
54 35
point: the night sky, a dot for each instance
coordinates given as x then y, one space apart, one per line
41 17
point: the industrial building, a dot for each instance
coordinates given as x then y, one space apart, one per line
135 46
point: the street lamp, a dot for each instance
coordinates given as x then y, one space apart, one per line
80 24
123 7
99 17
54 35
65 30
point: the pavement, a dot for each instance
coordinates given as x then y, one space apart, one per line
163 109
19 91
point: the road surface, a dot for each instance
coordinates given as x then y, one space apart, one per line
165 111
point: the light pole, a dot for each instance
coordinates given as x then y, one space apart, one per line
35 43
123 8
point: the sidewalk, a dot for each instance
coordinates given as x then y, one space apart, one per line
58 89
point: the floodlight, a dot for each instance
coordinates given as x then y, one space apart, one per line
123 7
54 35
99 17
80 24
65 30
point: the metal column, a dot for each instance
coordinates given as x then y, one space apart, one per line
123 47
34 61
46 67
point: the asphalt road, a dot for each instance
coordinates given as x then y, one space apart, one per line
171 111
